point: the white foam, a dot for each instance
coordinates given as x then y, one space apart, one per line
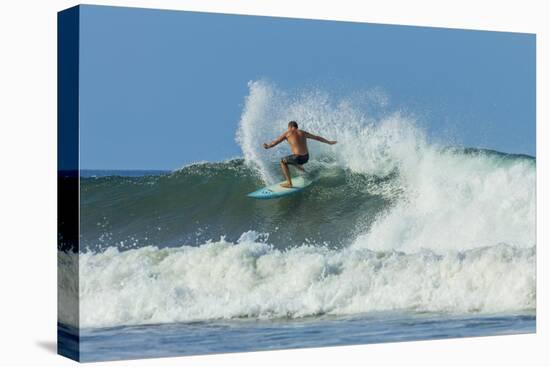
251 279
365 145
453 202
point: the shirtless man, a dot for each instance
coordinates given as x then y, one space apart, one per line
298 144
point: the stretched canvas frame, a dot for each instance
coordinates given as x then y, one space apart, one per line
463 299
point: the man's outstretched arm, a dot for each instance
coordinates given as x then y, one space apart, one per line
320 138
279 140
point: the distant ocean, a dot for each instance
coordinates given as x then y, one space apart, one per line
397 239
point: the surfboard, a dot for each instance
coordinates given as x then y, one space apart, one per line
276 190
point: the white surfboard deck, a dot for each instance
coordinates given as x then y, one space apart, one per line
276 190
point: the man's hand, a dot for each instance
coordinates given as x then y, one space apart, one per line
266 146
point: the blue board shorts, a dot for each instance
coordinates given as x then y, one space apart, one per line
296 159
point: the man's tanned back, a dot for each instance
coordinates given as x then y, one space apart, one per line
297 140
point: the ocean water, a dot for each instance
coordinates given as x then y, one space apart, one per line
399 238
243 335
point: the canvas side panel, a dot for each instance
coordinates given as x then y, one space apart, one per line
68 342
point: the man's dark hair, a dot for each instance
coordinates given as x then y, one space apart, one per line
293 124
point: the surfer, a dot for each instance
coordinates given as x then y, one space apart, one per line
298 145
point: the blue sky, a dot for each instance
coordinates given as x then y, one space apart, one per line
160 89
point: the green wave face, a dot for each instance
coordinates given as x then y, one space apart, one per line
208 201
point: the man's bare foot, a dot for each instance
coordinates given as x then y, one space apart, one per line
287 185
